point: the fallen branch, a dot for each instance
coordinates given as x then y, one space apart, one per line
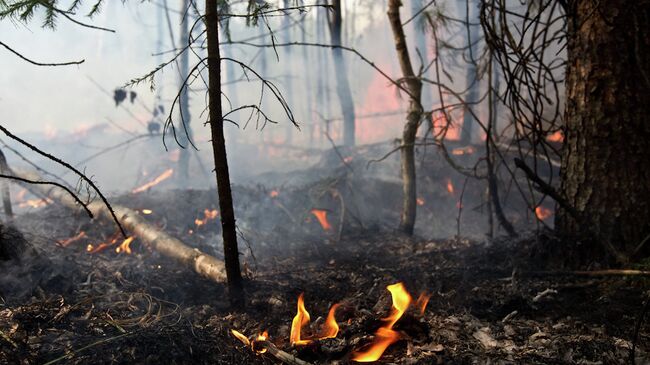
285 357
203 264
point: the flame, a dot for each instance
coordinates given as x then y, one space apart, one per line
421 302
299 321
207 215
556 137
240 336
35 203
321 215
260 337
450 187
274 193
147 211
162 177
77 237
125 246
543 213
330 328
459 151
386 336
420 201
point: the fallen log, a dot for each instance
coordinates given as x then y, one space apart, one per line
203 264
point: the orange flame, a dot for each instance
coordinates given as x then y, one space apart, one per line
386 336
207 215
300 320
450 187
420 201
77 237
146 211
35 203
274 193
543 213
125 246
260 337
459 151
330 328
162 177
321 215
556 137
421 302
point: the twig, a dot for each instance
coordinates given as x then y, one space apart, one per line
39 63
279 354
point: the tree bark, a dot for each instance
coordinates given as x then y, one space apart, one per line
471 80
231 252
342 83
413 117
605 172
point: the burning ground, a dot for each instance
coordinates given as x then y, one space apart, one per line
84 295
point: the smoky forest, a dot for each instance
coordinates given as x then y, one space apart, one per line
309 182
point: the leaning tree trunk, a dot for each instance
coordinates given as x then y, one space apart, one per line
342 83
605 172
413 116
231 252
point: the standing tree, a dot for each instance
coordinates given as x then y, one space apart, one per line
342 83
605 163
413 117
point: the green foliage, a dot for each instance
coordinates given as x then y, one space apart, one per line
24 10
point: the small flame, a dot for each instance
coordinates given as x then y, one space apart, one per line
386 336
240 336
260 337
421 302
35 203
556 137
77 237
459 151
420 201
146 211
274 193
300 320
321 215
330 328
162 177
125 246
450 186
543 213
207 216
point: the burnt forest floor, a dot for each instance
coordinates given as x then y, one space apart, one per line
63 305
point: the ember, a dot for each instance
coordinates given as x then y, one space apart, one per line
321 215
207 216
77 237
274 194
450 186
420 201
543 213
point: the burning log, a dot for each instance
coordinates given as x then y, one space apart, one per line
205 265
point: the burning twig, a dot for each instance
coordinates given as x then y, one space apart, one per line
262 345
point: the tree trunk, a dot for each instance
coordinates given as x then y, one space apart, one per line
605 172
288 68
185 127
422 48
231 252
471 80
413 117
342 83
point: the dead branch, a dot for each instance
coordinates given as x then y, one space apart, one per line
203 264
285 357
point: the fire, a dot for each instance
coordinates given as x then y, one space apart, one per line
207 216
35 203
459 151
321 215
125 246
274 193
420 201
543 213
162 177
450 186
147 211
260 337
421 302
330 328
556 137
386 336
300 320
77 237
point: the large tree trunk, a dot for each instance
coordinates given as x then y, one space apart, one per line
605 172
413 117
342 83
231 252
